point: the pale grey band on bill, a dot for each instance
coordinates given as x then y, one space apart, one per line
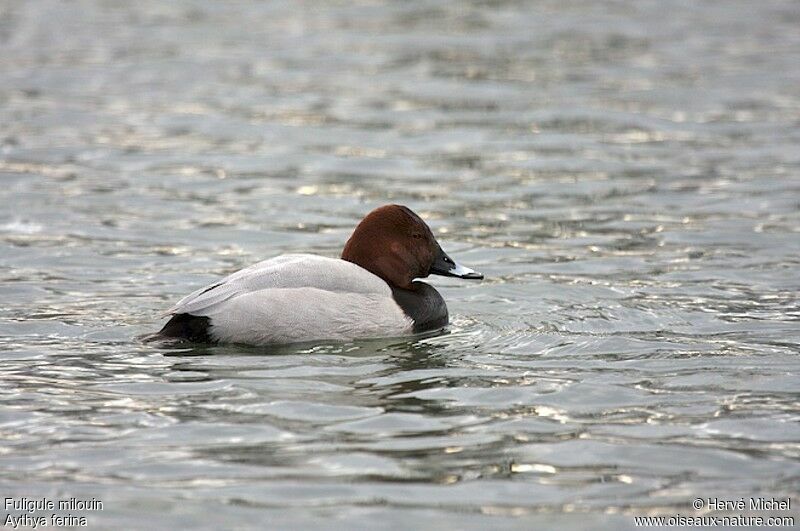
460 271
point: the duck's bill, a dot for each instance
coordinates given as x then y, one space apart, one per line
447 267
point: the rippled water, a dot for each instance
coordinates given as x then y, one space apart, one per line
626 174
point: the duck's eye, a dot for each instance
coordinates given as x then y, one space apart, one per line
416 236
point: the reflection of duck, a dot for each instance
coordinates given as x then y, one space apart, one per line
369 292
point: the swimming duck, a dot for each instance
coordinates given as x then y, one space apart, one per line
369 292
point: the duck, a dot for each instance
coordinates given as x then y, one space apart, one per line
373 290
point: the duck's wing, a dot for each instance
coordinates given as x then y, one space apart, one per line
286 271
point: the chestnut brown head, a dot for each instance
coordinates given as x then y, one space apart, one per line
394 243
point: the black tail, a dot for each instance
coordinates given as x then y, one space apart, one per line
188 327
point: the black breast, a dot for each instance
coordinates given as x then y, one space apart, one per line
423 304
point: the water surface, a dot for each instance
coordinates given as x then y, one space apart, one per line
626 174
